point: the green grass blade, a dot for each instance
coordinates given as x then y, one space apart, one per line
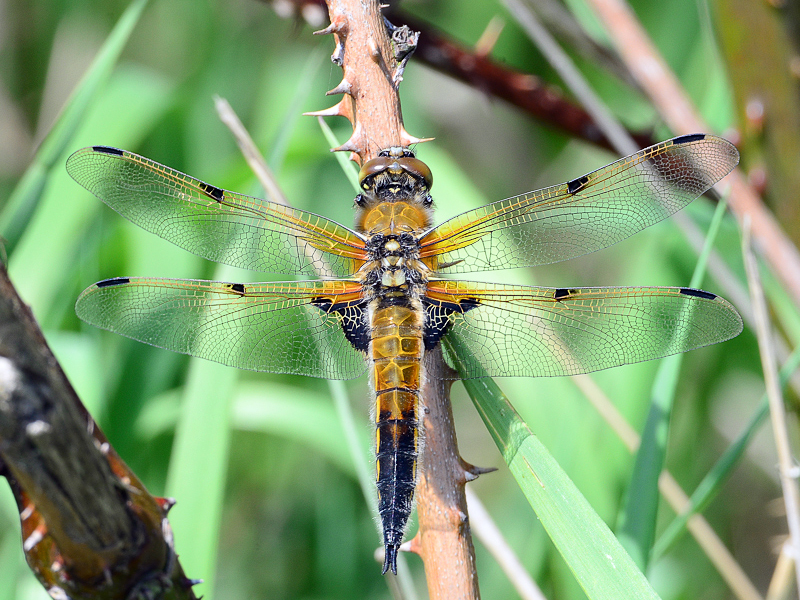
25 197
637 524
347 165
270 408
60 228
600 564
711 484
198 468
9 565
305 82
357 446
198 465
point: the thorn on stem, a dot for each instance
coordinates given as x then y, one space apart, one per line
336 26
344 87
188 583
471 472
165 504
333 111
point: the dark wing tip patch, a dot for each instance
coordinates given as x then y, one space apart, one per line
238 288
115 281
214 192
108 150
685 139
576 184
698 293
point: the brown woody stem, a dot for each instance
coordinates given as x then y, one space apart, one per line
369 85
444 540
372 105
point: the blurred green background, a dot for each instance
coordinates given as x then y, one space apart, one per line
273 486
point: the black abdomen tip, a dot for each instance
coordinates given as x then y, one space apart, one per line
390 559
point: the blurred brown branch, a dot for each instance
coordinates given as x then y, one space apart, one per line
527 92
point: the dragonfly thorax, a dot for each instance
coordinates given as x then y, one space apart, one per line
394 261
396 194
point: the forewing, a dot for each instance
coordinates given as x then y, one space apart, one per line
544 332
583 215
274 327
219 225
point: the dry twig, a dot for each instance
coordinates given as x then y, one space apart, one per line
673 104
787 468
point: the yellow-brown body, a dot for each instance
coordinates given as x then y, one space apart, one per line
393 213
396 350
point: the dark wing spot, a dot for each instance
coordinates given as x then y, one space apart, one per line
115 281
238 288
468 304
437 318
214 192
698 293
576 184
354 323
685 139
562 293
108 150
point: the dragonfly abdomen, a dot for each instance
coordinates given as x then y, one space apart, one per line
396 350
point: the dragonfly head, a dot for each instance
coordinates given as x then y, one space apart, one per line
397 178
394 166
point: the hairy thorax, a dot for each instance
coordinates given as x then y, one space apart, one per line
393 211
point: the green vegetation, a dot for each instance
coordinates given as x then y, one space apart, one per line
269 501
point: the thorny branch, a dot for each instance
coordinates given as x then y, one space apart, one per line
545 102
372 70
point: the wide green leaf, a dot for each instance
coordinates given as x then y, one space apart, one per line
600 564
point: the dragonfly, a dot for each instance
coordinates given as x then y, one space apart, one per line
380 300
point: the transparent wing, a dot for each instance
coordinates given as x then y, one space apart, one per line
283 327
214 223
524 331
583 215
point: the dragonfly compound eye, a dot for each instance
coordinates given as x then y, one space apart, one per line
372 168
395 163
418 169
